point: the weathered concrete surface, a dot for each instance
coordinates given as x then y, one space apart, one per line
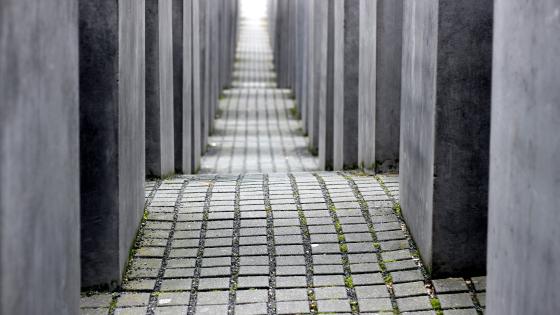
523 234
204 46
305 66
445 131
380 83
311 114
39 171
182 85
346 72
112 161
326 83
160 152
197 84
367 83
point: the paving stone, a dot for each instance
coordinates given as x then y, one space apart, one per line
253 260
251 296
409 289
396 255
328 269
362 258
171 310
333 306
364 268
416 303
368 278
176 285
290 270
481 299
407 276
253 282
372 291
331 293
253 270
131 311
96 300
251 309
213 283
290 260
291 282
401 265
375 305
470 311
133 299
211 309
450 285
292 307
215 271
394 245
94 311
327 259
291 295
212 298
479 283
457 300
328 281
173 298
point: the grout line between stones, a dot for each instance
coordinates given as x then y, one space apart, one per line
306 246
350 290
235 247
154 294
271 305
200 253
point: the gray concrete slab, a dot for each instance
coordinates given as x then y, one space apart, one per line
380 84
445 131
182 85
39 146
198 77
326 84
160 152
112 161
346 70
523 248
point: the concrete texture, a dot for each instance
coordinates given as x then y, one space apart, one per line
197 83
305 66
205 85
326 83
160 152
380 83
182 85
445 131
39 171
310 112
112 162
346 72
523 248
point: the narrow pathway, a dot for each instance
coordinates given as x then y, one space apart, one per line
255 131
266 237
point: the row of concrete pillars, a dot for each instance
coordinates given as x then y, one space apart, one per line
458 96
96 96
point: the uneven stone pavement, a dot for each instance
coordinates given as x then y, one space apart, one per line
266 238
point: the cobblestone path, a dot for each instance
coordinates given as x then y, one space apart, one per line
254 131
263 237
292 243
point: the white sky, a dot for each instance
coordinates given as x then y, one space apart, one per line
253 9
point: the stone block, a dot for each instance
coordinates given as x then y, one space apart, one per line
325 75
523 234
447 55
198 46
346 70
182 85
160 152
380 83
112 161
39 149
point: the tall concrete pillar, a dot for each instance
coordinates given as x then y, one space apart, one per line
380 83
182 85
305 65
198 45
445 115
326 84
346 72
523 234
312 97
160 152
39 149
112 161
204 19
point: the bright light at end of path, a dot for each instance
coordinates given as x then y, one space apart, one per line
253 9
